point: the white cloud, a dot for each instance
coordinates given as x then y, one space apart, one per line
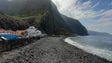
107 13
96 5
76 9
85 10
10 0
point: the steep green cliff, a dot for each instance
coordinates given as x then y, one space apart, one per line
40 13
7 22
56 23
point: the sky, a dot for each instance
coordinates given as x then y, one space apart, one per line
95 15
9 0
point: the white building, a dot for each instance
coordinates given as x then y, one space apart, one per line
33 32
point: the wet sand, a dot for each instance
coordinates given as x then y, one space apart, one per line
50 50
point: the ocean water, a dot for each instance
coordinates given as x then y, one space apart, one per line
100 45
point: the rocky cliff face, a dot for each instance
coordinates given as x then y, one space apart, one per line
51 21
56 23
7 22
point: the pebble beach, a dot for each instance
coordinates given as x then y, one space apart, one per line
49 50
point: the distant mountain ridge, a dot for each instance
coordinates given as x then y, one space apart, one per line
98 33
42 14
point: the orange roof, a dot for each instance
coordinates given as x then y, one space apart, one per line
10 31
20 31
2 30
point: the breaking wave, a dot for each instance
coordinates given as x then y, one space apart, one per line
101 52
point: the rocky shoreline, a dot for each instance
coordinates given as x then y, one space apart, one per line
49 50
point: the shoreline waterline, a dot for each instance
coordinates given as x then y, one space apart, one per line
50 50
92 50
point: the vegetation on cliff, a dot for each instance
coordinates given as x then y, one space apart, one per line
20 14
20 21
7 22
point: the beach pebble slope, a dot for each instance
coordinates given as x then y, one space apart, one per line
50 50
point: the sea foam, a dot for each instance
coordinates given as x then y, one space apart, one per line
103 53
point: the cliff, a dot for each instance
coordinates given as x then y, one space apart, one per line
56 23
7 22
40 13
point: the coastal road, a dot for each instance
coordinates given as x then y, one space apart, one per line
49 50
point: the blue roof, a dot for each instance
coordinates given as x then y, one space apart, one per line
9 36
